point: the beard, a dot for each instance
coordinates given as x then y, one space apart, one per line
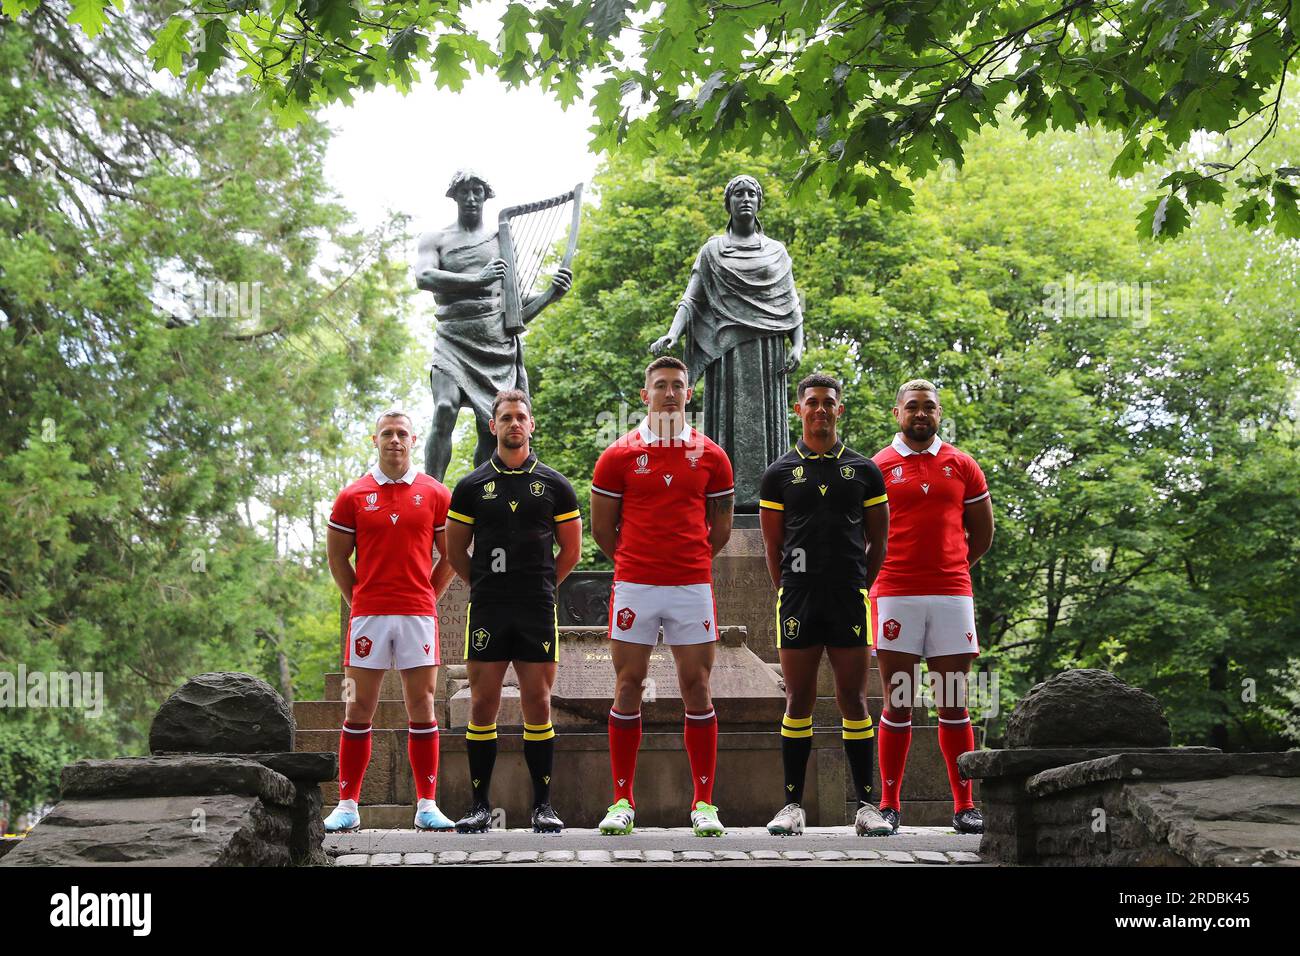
514 441
920 431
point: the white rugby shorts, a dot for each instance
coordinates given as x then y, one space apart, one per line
402 641
927 625
687 613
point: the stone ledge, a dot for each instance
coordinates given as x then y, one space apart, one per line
190 775
1133 767
982 764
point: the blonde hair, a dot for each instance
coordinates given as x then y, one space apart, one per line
916 385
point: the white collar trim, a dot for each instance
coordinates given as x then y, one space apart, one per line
409 478
901 447
650 437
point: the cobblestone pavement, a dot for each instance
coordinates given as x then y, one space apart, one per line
650 846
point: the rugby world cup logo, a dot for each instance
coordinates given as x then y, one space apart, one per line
370 501
897 472
797 475
642 464
489 491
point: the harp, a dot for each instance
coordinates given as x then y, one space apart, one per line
526 236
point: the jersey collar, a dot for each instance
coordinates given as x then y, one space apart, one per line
806 452
526 468
900 446
650 437
408 479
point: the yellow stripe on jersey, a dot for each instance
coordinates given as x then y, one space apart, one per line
567 516
771 505
878 500
463 519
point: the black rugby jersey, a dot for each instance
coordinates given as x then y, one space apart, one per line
823 499
513 512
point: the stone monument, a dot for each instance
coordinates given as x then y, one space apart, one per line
474 354
736 316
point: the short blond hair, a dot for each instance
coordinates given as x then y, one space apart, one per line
393 413
915 385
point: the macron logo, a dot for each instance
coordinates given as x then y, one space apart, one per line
393 518
75 909
668 479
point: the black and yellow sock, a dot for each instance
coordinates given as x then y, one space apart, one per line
539 754
481 748
860 749
796 745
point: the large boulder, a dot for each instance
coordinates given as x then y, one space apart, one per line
223 712
1087 708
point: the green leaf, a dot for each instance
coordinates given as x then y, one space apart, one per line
171 45
606 16
214 46
449 66
1286 213
1252 212
1200 191
87 14
1163 218
16 8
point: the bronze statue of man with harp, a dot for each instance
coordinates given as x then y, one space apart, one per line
482 279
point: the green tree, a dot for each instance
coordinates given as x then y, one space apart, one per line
159 440
859 97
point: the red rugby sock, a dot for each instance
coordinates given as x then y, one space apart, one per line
624 742
701 736
956 737
894 740
354 757
422 749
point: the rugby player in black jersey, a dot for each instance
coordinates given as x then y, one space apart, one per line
515 510
825 521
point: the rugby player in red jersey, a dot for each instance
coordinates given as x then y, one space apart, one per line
392 518
661 509
940 524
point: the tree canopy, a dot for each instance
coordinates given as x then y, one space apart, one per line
852 99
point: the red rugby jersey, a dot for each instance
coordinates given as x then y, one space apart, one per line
928 494
394 523
664 487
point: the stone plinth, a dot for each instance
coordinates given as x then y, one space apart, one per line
190 803
184 810
1159 806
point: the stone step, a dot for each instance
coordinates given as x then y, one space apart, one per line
400 816
391 714
749 776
